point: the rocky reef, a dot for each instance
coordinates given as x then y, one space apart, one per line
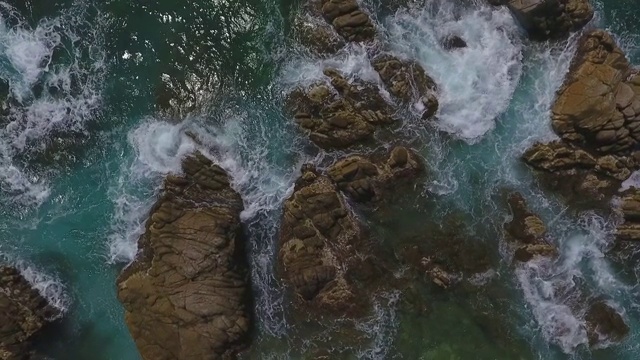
604 324
186 296
23 313
549 19
527 230
628 206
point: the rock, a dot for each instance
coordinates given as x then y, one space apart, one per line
529 251
525 226
363 180
453 42
604 324
594 106
407 80
628 207
186 296
319 237
317 35
549 19
348 20
340 115
23 313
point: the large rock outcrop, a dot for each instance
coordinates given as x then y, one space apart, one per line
528 230
186 296
549 19
363 179
342 114
319 237
604 324
598 107
348 20
23 312
407 81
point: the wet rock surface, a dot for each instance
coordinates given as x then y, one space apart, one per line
186 296
23 313
342 114
453 42
363 179
316 34
549 19
629 208
604 324
407 81
348 20
319 237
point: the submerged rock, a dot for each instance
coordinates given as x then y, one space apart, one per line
342 114
319 238
604 324
407 80
23 313
453 42
529 230
364 180
186 296
348 20
629 208
549 19
316 35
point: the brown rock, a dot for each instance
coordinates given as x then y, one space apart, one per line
604 324
407 80
549 19
316 262
628 207
348 20
23 312
529 251
525 226
186 294
316 34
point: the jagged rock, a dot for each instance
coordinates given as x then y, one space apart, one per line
364 180
319 237
604 324
598 107
23 312
407 80
525 226
316 34
576 173
628 207
186 296
549 19
529 251
348 20
453 42
342 114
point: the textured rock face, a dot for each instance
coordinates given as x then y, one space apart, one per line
598 106
549 19
342 114
604 324
407 80
629 208
23 312
186 295
318 241
348 20
528 230
316 34
363 180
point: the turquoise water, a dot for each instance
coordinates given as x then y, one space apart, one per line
109 90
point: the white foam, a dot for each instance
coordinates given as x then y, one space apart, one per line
632 181
476 82
381 327
50 287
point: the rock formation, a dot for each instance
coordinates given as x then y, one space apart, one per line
549 19
528 230
629 208
319 237
316 35
342 114
453 42
363 180
186 294
604 324
23 312
348 20
407 81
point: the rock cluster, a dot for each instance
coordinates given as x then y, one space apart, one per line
629 209
363 180
319 238
528 230
348 20
340 115
549 19
23 312
186 294
604 324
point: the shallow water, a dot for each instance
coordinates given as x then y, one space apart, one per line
107 93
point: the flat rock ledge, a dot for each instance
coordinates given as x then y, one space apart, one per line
186 296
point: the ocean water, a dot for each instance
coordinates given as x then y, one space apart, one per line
103 100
